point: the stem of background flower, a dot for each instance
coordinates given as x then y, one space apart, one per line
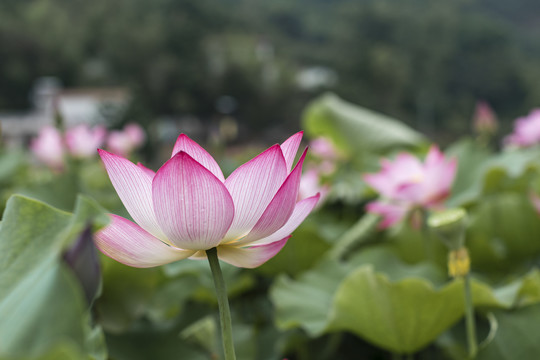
356 236
223 305
428 246
469 317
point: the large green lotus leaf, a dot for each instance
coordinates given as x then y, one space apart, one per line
480 172
383 259
517 161
357 130
522 291
306 302
402 316
33 318
501 234
24 221
471 157
41 302
397 306
529 290
517 335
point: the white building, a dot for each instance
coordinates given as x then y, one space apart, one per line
83 105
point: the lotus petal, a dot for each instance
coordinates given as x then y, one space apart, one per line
391 213
252 187
302 209
134 187
131 245
280 208
184 143
250 257
192 206
290 148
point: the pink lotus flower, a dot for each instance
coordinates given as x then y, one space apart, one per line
323 148
484 119
125 142
406 183
310 183
187 207
526 131
83 142
326 152
49 148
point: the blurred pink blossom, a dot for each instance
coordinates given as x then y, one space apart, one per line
136 133
323 148
406 183
188 207
49 148
126 141
526 131
484 119
83 142
310 183
326 153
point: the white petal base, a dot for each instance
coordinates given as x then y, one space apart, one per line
131 245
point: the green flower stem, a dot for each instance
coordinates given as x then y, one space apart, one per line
357 235
223 305
426 238
469 317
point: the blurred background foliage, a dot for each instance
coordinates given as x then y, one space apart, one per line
341 288
425 62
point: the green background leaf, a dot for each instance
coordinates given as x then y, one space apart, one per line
41 302
355 130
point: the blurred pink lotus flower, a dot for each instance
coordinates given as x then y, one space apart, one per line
406 184
83 142
326 152
125 142
310 183
323 148
49 148
526 131
484 119
187 207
